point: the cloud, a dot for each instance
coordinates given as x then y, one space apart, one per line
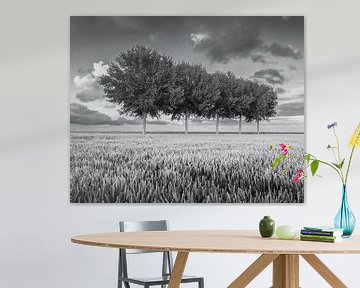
99 69
90 95
90 90
81 114
122 121
280 90
197 38
258 59
109 105
152 37
232 36
291 109
284 51
292 67
223 45
85 82
271 76
293 98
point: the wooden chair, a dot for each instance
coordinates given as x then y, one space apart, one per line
167 262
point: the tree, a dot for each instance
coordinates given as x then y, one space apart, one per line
195 92
262 105
222 106
241 99
140 80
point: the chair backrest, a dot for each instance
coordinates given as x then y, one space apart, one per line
134 226
137 226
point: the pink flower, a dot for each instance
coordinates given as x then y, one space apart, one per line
284 148
300 174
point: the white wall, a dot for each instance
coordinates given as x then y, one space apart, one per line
36 219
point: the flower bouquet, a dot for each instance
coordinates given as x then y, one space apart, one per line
344 218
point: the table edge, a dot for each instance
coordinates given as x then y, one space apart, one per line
203 250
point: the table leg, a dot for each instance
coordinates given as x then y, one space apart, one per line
286 271
324 271
253 270
178 269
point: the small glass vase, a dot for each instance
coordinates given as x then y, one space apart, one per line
345 219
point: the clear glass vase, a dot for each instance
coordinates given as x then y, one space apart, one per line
345 219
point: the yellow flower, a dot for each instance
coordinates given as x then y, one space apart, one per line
355 138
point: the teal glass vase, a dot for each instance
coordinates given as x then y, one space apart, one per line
345 219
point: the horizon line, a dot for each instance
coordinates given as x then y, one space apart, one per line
192 132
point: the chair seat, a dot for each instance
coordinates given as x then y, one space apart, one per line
158 280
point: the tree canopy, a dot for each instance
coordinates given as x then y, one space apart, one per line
141 80
241 100
223 105
263 102
147 84
195 92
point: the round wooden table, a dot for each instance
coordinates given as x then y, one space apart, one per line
284 254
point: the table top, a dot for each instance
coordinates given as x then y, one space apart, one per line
216 241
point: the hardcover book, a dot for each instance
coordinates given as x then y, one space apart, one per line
319 237
321 233
325 240
323 228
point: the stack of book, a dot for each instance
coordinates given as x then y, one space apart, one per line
321 234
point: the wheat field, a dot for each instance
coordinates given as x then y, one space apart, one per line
175 168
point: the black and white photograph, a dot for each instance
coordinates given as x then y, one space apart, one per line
180 109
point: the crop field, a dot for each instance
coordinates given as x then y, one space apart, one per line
165 168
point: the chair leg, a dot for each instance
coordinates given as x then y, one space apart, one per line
201 283
120 273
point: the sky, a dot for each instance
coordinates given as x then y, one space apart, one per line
264 48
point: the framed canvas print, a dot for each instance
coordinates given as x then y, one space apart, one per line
184 109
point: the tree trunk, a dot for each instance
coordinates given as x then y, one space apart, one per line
258 126
217 125
186 123
144 124
240 120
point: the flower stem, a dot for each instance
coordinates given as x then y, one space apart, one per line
338 145
339 155
348 167
333 152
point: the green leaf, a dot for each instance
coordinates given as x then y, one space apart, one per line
307 158
276 162
314 166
